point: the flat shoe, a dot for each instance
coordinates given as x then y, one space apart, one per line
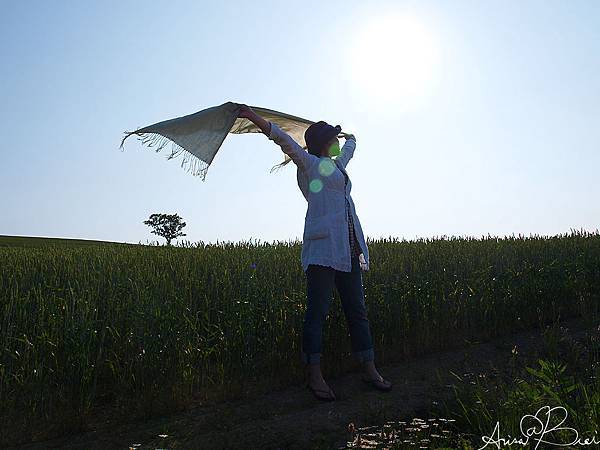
378 384
314 391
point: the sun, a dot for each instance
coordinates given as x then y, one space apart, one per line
395 60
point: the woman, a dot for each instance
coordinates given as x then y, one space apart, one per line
333 247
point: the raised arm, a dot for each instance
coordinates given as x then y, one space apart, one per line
347 151
290 147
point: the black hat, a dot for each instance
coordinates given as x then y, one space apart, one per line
318 134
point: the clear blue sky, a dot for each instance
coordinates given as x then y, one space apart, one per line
506 141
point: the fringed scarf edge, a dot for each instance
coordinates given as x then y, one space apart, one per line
198 168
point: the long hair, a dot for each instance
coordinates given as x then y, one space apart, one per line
288 159
281 164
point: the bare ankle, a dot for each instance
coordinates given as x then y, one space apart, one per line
368 366
314 372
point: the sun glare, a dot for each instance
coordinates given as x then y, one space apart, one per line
395 60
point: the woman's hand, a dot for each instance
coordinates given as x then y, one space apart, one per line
248 113
245 111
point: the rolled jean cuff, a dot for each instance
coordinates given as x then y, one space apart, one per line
364 355
311 358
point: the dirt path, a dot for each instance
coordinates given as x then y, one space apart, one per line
294 419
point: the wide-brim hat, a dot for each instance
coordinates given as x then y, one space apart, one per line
318 134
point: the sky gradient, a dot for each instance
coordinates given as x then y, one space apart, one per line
505 141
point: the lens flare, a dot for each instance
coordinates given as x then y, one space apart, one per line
315 185
326 167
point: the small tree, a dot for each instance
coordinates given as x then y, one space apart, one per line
166 225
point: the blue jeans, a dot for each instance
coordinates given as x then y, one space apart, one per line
319 286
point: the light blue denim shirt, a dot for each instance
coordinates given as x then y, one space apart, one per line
321 179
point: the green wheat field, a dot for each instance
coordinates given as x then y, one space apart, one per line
145 328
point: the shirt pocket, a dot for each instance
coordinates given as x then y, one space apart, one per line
317 228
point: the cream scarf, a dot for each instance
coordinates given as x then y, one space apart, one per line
201 134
